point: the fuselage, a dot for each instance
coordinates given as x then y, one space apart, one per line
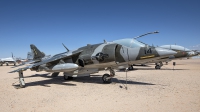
9 60
92 58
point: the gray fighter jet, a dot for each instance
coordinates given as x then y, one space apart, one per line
93 58
182 52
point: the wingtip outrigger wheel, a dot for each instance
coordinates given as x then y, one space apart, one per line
21 79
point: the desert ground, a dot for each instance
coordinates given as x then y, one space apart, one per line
148 90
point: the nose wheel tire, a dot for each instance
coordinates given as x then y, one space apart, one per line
106 78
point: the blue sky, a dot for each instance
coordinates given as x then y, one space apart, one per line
76 23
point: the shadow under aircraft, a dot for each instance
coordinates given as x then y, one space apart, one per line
48 80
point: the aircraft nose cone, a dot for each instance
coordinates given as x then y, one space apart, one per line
165 52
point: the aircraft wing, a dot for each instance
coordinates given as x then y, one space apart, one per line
21 69
26 63
48 61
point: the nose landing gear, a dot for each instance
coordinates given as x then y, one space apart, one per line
158 65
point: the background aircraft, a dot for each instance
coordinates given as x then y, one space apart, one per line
182 52
9 60
93 58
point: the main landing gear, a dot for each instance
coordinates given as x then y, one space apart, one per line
158 65
106 77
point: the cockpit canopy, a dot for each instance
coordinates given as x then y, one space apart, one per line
129 43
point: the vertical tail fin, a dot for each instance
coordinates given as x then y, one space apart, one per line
37 54
30 56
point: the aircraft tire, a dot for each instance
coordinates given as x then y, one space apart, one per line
107 81
157 67
130 68
6 64
22 86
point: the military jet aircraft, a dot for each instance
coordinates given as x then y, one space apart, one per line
182 52
9 60
93 58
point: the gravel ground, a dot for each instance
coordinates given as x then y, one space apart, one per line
149 90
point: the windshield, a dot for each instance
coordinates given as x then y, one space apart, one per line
129 43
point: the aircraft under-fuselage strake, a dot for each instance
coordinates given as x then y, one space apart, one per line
93 58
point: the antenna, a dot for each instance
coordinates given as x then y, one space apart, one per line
65 47
146 34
